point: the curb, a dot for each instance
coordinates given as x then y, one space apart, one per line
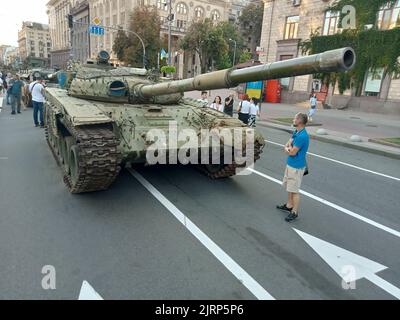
385 153
384 143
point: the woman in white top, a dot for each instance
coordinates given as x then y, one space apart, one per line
254 112
244 109
217 104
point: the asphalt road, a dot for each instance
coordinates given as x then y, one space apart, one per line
231 242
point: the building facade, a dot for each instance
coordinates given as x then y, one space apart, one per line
80 35
34 43
116 13
287 22
60 33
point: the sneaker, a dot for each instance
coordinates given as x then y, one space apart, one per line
284 208
36 125
13 113
292 216
19 112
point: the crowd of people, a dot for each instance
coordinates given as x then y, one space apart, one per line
21 93
248 110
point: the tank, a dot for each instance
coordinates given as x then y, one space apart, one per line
109 117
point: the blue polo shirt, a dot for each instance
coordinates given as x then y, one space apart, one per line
301 141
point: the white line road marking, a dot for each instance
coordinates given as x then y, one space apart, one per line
250 283
334 206
340 260
341 162
88 293
3 158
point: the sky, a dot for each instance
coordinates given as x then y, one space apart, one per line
13 12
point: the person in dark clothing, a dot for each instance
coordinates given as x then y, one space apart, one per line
228 109
16 86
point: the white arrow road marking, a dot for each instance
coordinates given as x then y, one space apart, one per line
342 163
88 293
338 258
334 206
250 283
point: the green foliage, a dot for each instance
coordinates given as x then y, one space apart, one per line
144 21
245 56
168 69
366 10
211 42
374 48
121 42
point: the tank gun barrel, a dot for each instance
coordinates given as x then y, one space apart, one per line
338 60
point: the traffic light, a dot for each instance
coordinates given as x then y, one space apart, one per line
70 21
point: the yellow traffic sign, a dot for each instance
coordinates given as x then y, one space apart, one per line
97 21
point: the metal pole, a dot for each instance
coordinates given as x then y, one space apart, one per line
234 53
169 33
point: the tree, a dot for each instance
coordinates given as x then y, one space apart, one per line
197 40
245 56
211 43
230 35
144 21
250 22
121 42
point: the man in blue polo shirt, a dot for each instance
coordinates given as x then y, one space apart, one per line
296 149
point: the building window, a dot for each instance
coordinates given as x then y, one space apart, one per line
388 17
162 5
199 12
291 27
373 82
331 23
181 8
181 24
215 16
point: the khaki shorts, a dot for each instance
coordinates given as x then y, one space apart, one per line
292 179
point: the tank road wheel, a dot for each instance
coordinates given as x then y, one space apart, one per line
218 171
93 159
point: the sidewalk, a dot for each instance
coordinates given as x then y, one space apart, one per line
339 126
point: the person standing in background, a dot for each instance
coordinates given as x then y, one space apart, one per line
244 109
204 98
9 78
37 90
217 104
254 112
313 107
228 107
16 94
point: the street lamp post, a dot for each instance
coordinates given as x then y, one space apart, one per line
169 33
234 53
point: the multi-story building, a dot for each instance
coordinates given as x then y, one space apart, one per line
10 56
60 33
287 22
80 35
235 11
34 43
116 13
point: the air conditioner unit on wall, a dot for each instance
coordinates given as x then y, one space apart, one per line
296 2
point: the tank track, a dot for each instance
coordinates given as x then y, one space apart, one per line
230 170
99 158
